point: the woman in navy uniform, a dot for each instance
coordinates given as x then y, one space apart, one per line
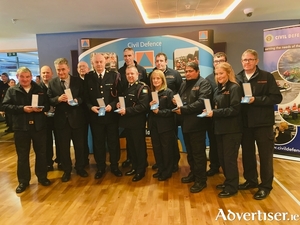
227 119
161 125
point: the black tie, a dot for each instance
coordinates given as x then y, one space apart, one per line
62 82
100 78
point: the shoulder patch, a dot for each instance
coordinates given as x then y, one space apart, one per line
145 90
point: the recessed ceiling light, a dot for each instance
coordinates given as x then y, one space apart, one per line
220 16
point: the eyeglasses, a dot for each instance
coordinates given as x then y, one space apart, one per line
248 60
219 61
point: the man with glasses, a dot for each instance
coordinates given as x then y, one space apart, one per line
214 165
258 120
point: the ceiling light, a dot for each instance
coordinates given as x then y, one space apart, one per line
221 16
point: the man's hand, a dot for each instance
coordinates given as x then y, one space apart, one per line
95 109
28 109
177 111
108 108
63 98
122 112
251 100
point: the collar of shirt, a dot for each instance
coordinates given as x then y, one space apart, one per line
67 82
101 74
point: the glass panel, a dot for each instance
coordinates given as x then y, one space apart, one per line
10 64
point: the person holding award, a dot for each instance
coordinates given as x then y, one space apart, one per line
227 122
258 120
27 103
161 125
192 92
66 95
132 111
100 90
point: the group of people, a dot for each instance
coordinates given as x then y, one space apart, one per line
128 100
290 110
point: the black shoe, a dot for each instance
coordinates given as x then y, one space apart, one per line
117 172
157 174
138 177
66 177
59 166
226 194
211 172
163 178
130 172
50 168
197 187
155 166
247 185
175 168
44 182
126 163
82 173
188 179
261 194
22 187
99 174
220 186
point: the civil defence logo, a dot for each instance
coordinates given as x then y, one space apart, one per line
269 38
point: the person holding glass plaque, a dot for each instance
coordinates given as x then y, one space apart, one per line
192 92
227 122
258 120
161 125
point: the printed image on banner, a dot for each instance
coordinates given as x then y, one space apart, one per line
282 58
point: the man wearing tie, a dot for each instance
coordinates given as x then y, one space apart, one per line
69 119
104 85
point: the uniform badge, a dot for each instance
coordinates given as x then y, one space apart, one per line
145 90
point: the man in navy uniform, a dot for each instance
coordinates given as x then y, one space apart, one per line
133 119
104 85
128 54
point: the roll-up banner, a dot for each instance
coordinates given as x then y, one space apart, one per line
282 59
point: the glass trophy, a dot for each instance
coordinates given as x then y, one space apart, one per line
248 93
207 107
70 97
102 107
154 98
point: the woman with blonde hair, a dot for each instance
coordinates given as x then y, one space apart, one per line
227 126
161 125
